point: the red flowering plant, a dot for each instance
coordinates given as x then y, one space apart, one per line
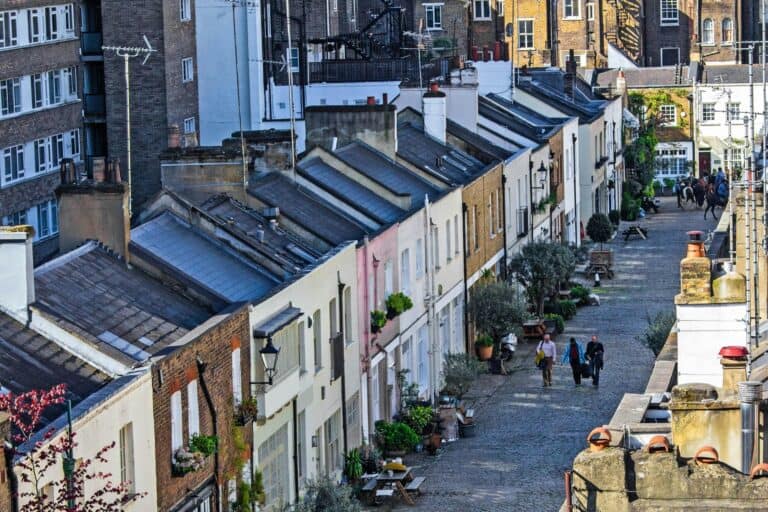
37 454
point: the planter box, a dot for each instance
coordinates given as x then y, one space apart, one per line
598 257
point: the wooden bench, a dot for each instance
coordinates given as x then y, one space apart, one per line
370 485
635 230
382 493
415 485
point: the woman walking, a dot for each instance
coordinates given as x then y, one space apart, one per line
574 354
550 353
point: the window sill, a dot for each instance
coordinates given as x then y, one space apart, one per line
482 19
669 24
526 49
40 109
67 38
572 18
708 45
434 29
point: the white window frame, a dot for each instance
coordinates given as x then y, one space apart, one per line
190 125
185 10
13 162
389 278
317 339
193 409
499 7
484 10
437 21
590 11
237 377
708 114
187 70
127 460
525 34
293 57
733 115
708 32
666 19
177 432
9 29
572 9
448 252
405 271
11 101
671 112
723 31
661 54
419 258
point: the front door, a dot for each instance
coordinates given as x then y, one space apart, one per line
705 162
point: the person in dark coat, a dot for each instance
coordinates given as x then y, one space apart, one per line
595 351
574 355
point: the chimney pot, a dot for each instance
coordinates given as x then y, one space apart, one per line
385 98
17 281
371 100
260 235
273 224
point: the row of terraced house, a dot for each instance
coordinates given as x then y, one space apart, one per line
161 325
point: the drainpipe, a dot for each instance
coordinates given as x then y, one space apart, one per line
530 202
295 449
465 214
749 396
201 366
367 341
431 316
341 287
575 192
504 220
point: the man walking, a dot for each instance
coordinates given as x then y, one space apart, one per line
574 354
550 352
595 351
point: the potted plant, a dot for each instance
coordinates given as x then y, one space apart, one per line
186 461
246 411
396 438
206 445
417 417
353 466
484 347
397 303
378 321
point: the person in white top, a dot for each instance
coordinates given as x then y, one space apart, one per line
550 353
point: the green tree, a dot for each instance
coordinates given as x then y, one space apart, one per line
599 228
540 267
496 309
655 335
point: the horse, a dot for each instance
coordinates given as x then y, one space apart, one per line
712 201
699 192
687 192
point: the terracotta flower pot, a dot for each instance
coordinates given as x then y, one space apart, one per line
484 353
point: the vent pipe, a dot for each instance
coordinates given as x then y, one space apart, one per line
749 395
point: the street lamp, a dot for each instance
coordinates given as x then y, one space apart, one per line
269 357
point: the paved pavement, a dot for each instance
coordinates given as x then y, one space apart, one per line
528 435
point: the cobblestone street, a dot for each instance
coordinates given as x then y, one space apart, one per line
528 435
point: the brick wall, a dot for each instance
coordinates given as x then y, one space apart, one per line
679 36
477 194
213 347
179 44
148 91
529 9
717 12
454 24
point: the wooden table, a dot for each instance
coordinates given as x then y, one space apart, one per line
396 479
635 230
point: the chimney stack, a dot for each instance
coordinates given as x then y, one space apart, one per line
434 110
695 270
733 359
17 277
621 83
95 211
570 74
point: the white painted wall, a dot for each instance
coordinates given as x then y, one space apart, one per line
100 427
494 77
461 103
702 331
617 59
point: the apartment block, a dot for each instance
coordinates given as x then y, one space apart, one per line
40 104
163 89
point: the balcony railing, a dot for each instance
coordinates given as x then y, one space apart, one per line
91 43
383 70
94 104
522 222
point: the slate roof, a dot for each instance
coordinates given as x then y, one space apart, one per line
30 361
388 173
121 311
454 167
519 118
352 192
306 210
202 259
480 142
731 74
548 86
647 77
282 246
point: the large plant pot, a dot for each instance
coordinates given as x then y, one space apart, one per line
484 353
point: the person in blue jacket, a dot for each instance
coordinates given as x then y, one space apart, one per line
574 355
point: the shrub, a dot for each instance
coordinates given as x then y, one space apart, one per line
484 341
580 294
599 228
418 417
397 303
669 183
568 309
459 371
614 216
396 436
378 320
655 335
353 465
324 495
203 444
559 322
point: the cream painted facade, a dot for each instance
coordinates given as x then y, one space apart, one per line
303 388
96 423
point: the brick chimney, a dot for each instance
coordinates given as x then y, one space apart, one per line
92 210
17 278
373 124
433 108
695 271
